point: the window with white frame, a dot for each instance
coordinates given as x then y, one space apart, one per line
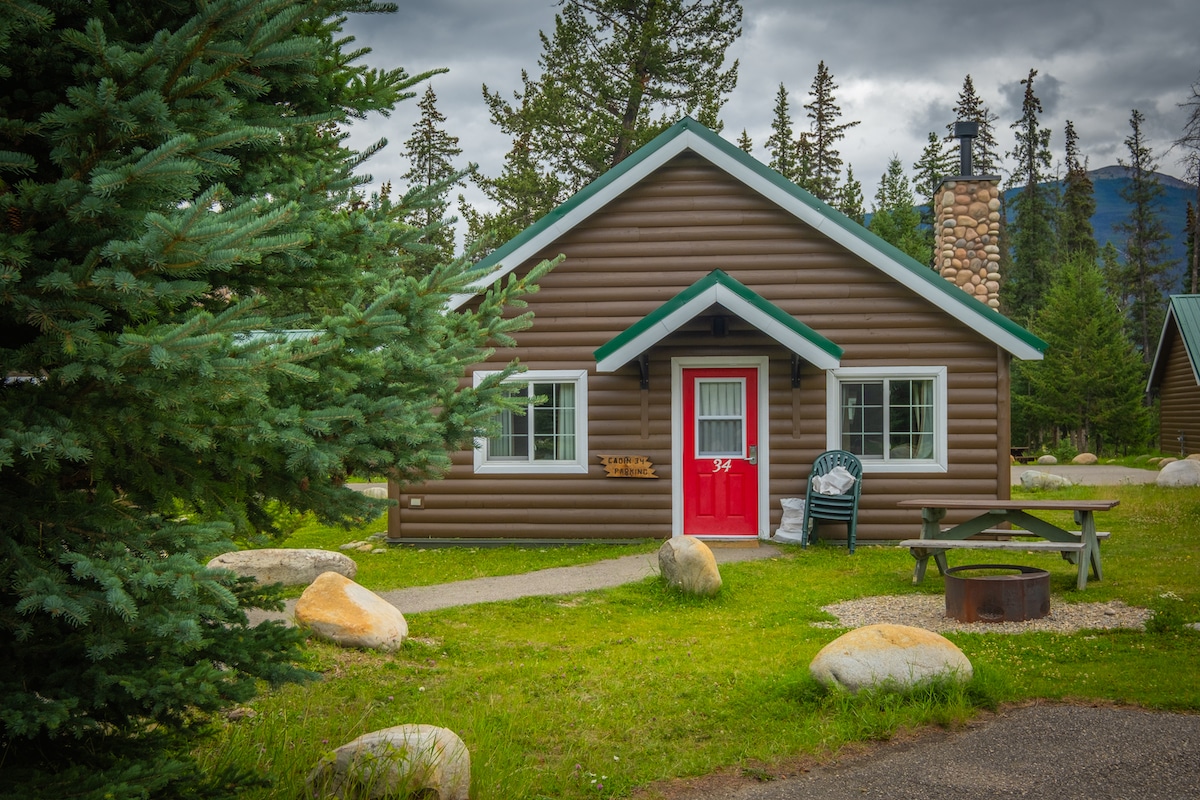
893 419
549 435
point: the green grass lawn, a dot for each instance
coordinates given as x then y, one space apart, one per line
604 693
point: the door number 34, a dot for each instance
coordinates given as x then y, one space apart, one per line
722 465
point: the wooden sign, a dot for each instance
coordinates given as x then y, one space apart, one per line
627 467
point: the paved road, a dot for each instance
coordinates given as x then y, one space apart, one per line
1092 475
1056 752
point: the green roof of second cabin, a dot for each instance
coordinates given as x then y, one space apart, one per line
1183 317
689 135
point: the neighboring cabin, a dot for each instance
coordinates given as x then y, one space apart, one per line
712 330
1175 376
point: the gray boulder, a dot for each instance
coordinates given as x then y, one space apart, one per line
1179 474
1047 459
1033 479
404 761
688 564
292 567
888 654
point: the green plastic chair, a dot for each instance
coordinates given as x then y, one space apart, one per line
840 508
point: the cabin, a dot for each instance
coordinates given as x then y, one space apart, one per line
1175 377
712 330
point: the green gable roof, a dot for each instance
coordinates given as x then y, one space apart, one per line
717 288
689 135
1183 315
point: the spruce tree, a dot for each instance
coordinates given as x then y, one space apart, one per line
895 219
1145 274
431 152
1089 388
1189 143
970 108
781 144
937 162
201 322
824 162
1075 234
1031 232
745 143
850 197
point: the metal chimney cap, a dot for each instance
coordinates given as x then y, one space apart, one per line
966 130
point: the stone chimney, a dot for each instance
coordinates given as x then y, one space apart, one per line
967 221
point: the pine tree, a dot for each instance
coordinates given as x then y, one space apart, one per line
894 217
1075 234
824 162
970 108
1145 274
1089 387
1031 232
430 152
613 75
524 192
178 196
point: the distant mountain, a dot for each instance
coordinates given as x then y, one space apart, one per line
1112 210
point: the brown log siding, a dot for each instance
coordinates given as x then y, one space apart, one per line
624 262
1179 400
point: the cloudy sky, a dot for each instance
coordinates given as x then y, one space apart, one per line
899 66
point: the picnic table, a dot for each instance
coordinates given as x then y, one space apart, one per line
1080 547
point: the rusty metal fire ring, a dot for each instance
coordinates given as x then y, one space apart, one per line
997 593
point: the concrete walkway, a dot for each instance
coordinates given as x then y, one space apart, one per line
557 580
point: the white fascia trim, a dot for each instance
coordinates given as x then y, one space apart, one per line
684 141
718 295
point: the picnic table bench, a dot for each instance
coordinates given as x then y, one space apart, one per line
1080 547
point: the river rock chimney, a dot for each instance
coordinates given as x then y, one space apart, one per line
967 218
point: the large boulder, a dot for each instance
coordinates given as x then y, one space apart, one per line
404 761
688 564
292 567
894 654
338 610
1047 460
1034 479
1085 458
1179 474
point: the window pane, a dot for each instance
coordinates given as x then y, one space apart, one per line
862 418
719 420
910 417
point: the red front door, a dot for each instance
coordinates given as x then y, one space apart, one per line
720 451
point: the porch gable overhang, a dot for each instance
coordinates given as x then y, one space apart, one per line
717 288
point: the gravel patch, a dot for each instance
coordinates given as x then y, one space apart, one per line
929 612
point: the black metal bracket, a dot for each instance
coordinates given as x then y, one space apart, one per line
643 362
795 371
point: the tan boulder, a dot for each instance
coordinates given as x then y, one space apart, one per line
289 566
338 610
687 564
404 761
896 654
1085 458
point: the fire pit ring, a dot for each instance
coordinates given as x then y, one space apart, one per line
997 593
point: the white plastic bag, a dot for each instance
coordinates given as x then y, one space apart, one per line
837 481
793 515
